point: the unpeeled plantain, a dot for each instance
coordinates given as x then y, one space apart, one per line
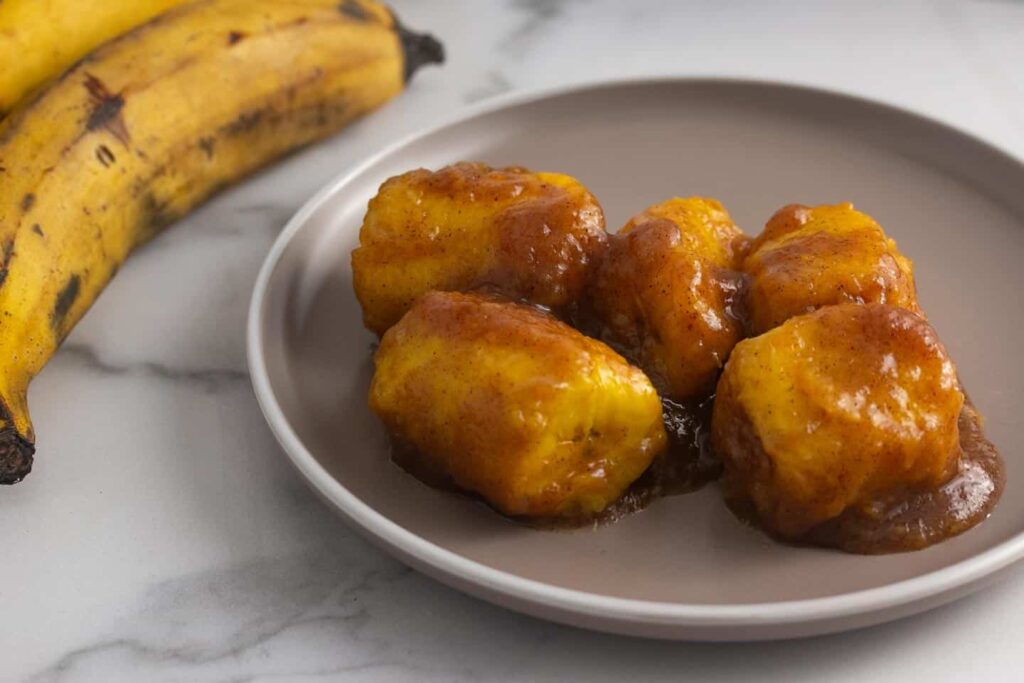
151 124
41 38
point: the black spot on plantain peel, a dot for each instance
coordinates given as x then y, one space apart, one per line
106 109
353 10
243 123
65 300
155 215
105 156
207 144
5 260
419 49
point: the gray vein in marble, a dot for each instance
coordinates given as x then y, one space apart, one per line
262 218
209 380
345 610
539 14
249 637
222 625
495 83
138 650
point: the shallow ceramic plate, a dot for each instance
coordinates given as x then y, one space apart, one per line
683 568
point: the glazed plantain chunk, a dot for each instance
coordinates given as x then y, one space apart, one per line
808 257
526 235
506 401
664 293
832 409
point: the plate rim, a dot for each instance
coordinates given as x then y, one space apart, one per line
441 563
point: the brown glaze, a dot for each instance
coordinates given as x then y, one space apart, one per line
912 473
912 519
666 294
687 464
531 236
515 405
809 257
900 521
898 517
833 408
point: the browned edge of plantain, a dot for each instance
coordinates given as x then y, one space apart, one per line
17 451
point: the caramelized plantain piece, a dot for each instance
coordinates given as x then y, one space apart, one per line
526 235
831 409
808 257
504 400
664 293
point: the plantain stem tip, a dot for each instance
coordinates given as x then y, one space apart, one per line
419 49
16 456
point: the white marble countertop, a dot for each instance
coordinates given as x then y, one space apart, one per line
163 536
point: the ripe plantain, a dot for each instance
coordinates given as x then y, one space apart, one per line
41 38
150 125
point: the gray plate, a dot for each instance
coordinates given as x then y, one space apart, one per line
684 568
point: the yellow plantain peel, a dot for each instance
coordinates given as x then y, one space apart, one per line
142 130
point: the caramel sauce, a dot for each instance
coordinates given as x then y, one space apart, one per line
911 520
685 466
897 522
